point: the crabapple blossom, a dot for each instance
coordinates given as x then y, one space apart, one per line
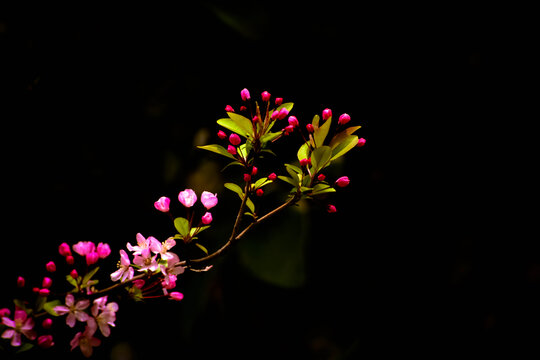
162 204
84 248
45 341
206 218
125 270
209 200
103 250
51 266
326 114
245 94
187 197
86 340
343 119
75 310
146 261
163 248
21 324
343 181
104 314
229 108
234 139
92 258
142 244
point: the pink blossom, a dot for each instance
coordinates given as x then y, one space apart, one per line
265 96
343 181
86 340
229 108
104 314
245 94
142 244
234 139
103 250
50 266
326 114
175 295
221 134
343 119
75 310
21 324
125 271
207 218
162 204
209 200
45 341
361 142
331 209
46 283
187 197
279 101
92 258
231 150
146 261
84 248
64 249
163 248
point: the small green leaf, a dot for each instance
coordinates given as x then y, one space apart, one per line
250 205
243 123
235 188
182 226
269 137
71 280
261 182
202 248
244 150
49 307
345 146
322 189
288 180
320 157
89 275
303 152
218 149
320 133
341 136
24 347
294 168
315 121
294 176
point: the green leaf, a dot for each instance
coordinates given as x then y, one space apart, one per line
320 133
71 280
233 126
320 157
294 176
244 150
294 168
243 123
49 307
322 189
303 152
288 180
315 121
218 149
342 136
250 205
235 188
182 226
345 146
89 275
261 182
24 347
269 137
202 248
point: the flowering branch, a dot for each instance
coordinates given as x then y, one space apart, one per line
149 269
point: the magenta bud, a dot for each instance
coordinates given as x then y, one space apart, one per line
187 198
361 142
74 274
45 341
310 128
139 283
279 101
247 177
229 108
64 249
231 150
20 282
44 292
259 192
221 134
162 204
321 177
245 94
283 112
70 259
254 170
103 250
343 119
305 162
50 266
234 139
326 114
243 108
255 119
343 181
209 200
272 176
175 295
265 96
331 209
4 312
293 121
47 323
92 258
46 283
206 218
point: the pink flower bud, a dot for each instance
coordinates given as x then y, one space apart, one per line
103 250
50 266
207 218
64 249
305 162
245 95
234 139
187 197
254 170
20 282
331 209
342 181
293 121
45 341
70 259
326 114
74 274
175 295
231 150
265 96
84 247
92 258
255 119
288 129
229 108
272 176
162 204
221 134
247 177
279 101
283 112
310 128
321 177
243 108
274 115
47 323
139 283
259 192
361 142
4 312
46 283
343 119
209 200
44 292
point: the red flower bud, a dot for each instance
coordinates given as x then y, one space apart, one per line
283 112
293 121
343 119
361 142
272 176
51 266
44 292
221 134
331 209
279 101
47 323
231 150
254 170
245 94
243 108
20 282
235 139
74 274
321 177
229 108
70 260
310 128
343 181
305 162
247 177
265 96
46 283
326 114
259 192
64 249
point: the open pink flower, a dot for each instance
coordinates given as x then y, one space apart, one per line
104 314
84 248
187 198
146 261
209 200
125 270
163 248
21 324
86 340
142 244
75 310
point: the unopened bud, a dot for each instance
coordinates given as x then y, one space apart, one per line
74 274
245 94
279 101
20 282
229 108
235 139
221 134
50 266
343 119
331 209
326 114
265 96
231 150
46 283
343 181
272 176
310 128
361 142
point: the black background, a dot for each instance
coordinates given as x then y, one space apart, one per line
423 257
